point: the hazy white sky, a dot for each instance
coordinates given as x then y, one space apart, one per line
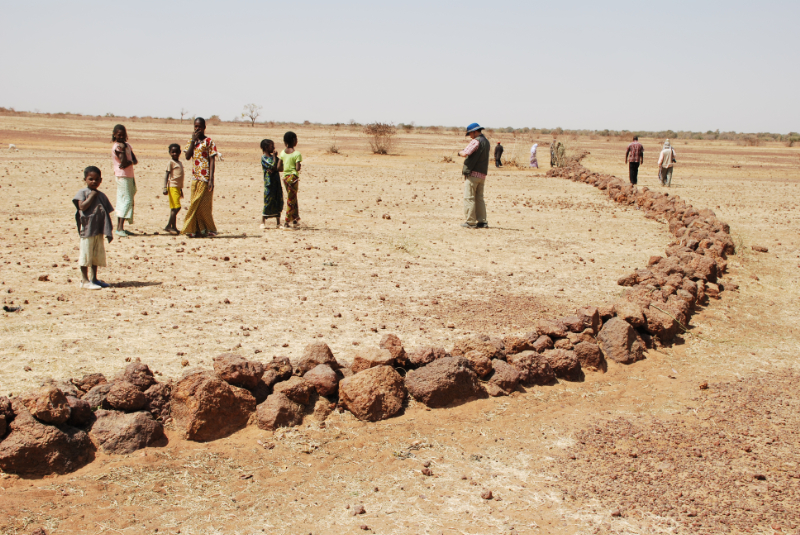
681 65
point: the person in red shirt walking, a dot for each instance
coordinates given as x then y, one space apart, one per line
634 157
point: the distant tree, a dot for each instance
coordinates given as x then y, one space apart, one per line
251 112
184 113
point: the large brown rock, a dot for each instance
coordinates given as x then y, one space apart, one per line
80 413
421 356
6 409
518 344
238 371
392 343
590 356
444 381
157 401
87 382
279 369
489 348
139 375
565 364
620 342
324 380
533 368
373 394
505 378
315 354
66 387
572 324
96 397
660 323
553 329
119 432
36 449
295 388
125 396
543 343
704 268
3 426
204 407
590 317
370 357
278 411
48 404
630 312
480 363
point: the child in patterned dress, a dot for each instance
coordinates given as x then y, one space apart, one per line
290 166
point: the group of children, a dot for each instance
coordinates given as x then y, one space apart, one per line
93 215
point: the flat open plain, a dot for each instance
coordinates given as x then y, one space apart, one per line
348 277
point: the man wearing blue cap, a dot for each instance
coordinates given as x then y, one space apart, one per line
476 167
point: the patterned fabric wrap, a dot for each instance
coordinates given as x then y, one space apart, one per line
199 219
126 189
203 152
273 192
292 183
534 161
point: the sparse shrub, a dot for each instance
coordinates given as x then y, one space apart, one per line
792 138
447 159
214 119
380 137
750 140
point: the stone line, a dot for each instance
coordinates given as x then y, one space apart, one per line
58 428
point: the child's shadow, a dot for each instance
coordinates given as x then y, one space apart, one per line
135 284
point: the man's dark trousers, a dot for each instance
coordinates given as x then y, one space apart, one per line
634 171
497 162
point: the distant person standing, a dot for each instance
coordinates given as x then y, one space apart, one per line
273 192
199 219
534 161
666 161
173 186
290 164
498 155
124 159
557 152
476 167
634 157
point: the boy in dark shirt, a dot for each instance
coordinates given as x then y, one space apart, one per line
94 222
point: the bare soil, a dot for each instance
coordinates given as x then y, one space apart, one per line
431 274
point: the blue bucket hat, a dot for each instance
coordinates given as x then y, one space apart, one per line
473 127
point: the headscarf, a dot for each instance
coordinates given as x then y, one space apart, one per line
533 149
666 145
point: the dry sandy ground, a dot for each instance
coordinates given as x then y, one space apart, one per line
286 287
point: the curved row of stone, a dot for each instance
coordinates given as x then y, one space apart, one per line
59 427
